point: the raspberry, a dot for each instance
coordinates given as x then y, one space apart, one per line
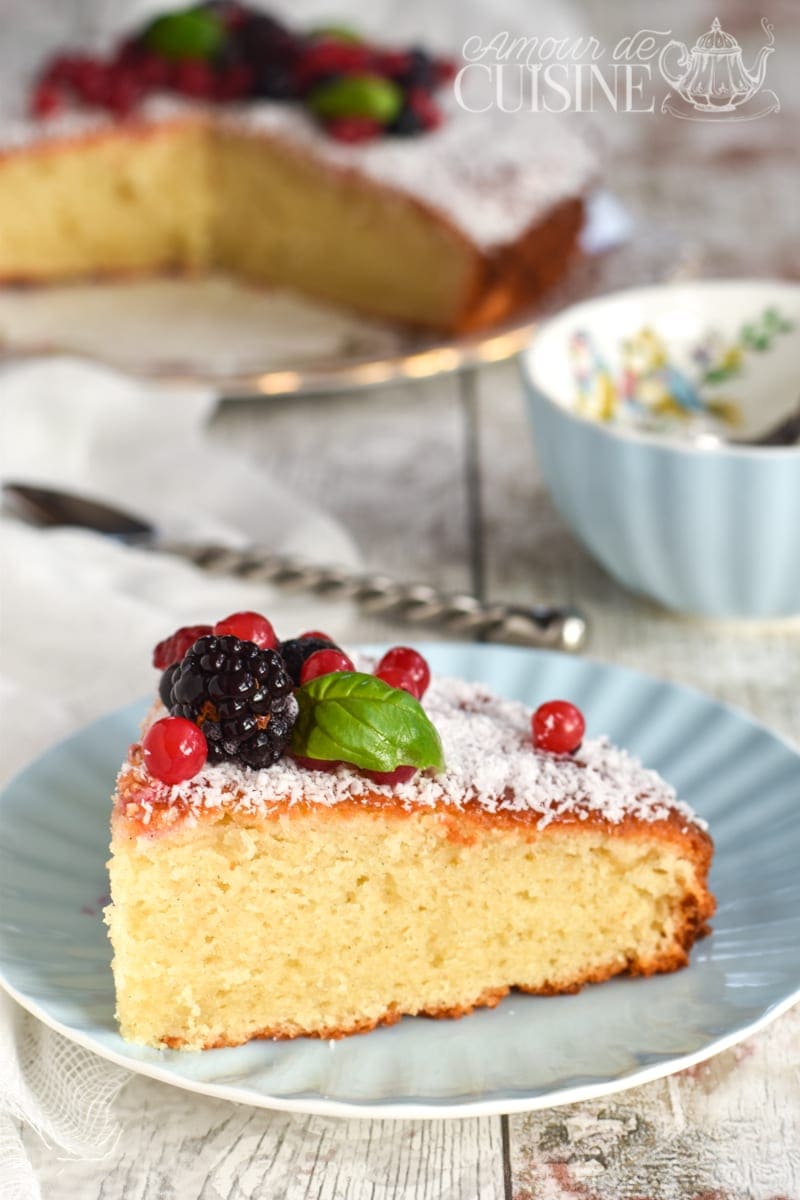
324 662
295 652
354 129
410 662
193 77
60 70
240 695
234 82
248 627
151 70
445 70
331 56
174 749
397 678
124 92
394 64
424 108
90 79
558 727
172 649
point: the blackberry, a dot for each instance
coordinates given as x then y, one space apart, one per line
421 70
407 123
239 695
165 683
295 652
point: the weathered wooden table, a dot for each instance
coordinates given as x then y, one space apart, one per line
435 488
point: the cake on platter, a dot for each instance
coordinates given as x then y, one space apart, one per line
301 847
217 139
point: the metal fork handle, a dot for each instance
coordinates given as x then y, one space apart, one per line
552 627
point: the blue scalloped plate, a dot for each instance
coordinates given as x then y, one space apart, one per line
531 1051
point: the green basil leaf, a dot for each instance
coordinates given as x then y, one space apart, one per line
359 719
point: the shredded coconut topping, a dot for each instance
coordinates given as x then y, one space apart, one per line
490 763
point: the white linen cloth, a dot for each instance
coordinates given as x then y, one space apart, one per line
80 616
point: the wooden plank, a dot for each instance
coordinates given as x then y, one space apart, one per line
182 1147
728 1129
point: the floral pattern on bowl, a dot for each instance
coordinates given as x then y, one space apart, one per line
651 389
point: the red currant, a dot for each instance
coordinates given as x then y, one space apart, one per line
172 649
558 726
324 662
390 778
398 678
174 749
248 627
354 129
410 662
316 635
316 764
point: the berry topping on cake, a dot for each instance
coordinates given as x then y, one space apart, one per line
229 52
324 662
248 627
295 651
558 727
165 684
409 662
398 678
392 778
174 749
240 696
173 648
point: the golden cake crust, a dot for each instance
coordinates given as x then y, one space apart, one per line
498 281
577 868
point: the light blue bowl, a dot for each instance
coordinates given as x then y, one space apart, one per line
708 529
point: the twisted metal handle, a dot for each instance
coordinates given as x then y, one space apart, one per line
557 628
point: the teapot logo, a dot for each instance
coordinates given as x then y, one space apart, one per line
711 82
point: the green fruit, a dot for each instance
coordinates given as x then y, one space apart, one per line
357 96
195 33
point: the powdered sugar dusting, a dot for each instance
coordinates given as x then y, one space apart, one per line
490 763
491 174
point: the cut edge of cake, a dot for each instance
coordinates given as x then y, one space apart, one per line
621 870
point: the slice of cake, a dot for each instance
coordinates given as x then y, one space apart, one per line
360 180
396 858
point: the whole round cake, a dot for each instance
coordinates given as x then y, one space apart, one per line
216 138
